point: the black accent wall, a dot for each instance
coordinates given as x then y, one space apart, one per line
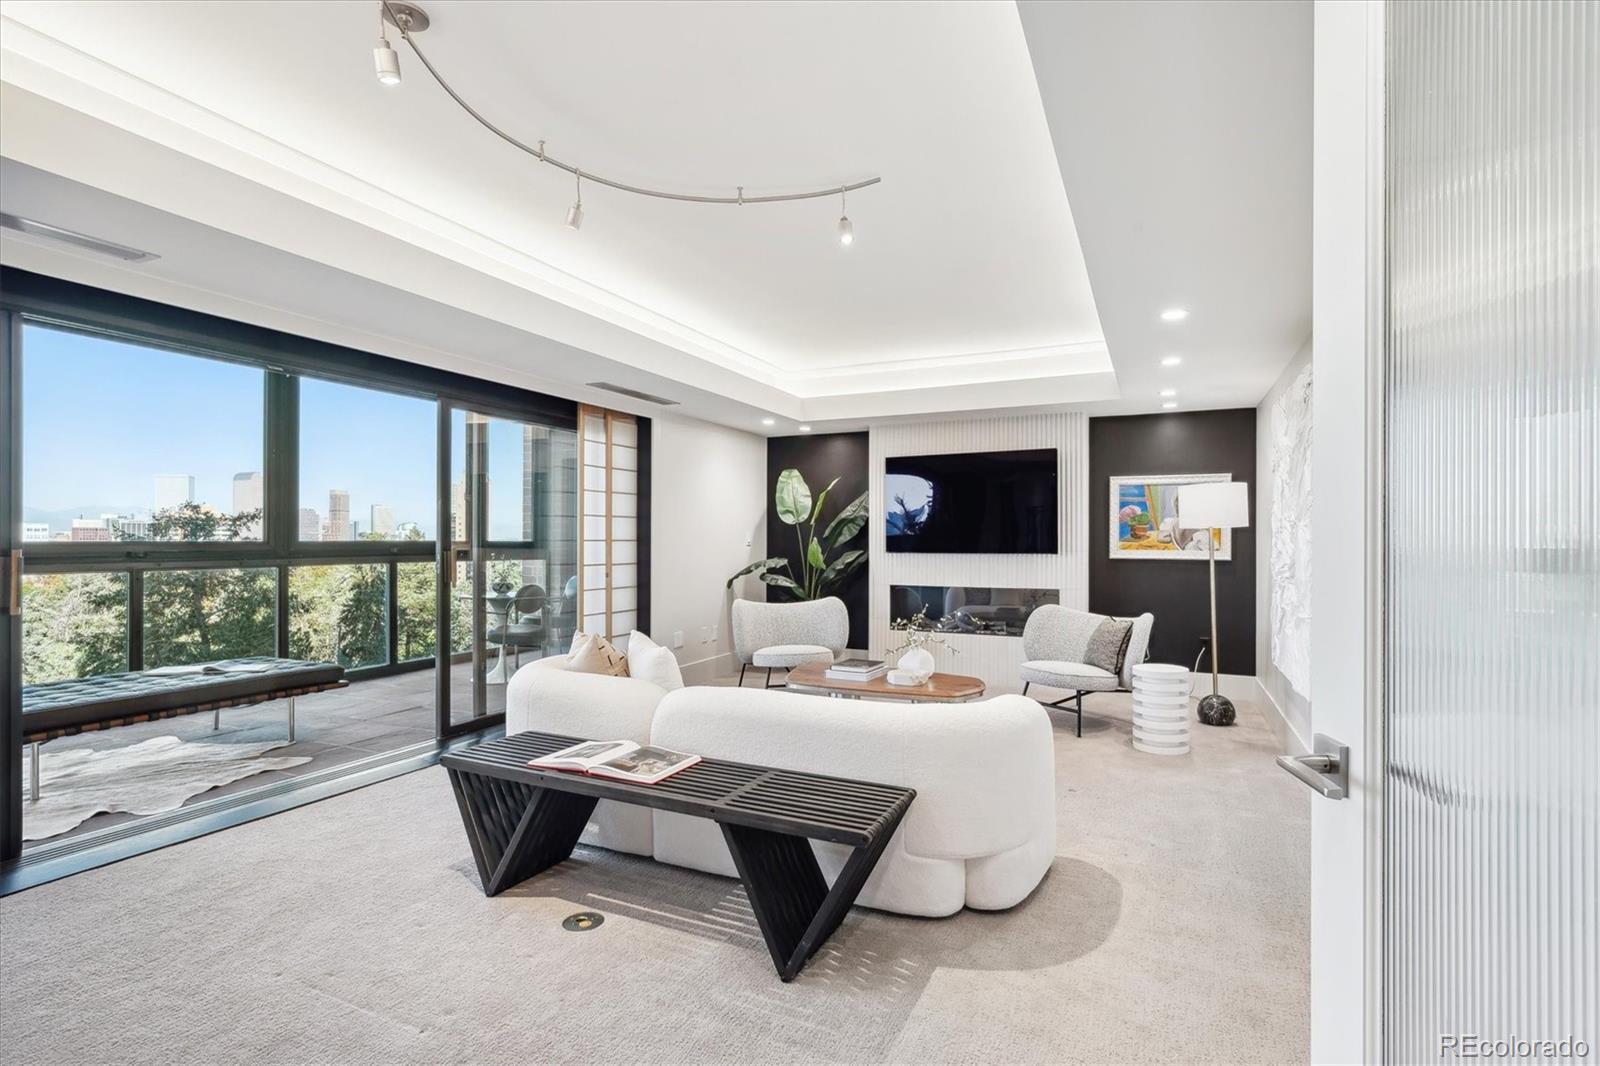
1202 442
821 457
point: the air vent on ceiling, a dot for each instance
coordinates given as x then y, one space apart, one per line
635 393
76 240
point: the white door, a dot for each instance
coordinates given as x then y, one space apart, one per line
1456 598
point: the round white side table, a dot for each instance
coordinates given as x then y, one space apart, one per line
1161 708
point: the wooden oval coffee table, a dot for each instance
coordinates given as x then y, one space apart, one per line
940 688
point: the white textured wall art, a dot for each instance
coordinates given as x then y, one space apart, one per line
1291 533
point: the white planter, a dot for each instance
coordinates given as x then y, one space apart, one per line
1161 708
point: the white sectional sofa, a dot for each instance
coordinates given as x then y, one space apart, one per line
981 832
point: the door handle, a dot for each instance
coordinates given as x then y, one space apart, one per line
1326 769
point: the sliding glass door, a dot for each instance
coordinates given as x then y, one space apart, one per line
511 556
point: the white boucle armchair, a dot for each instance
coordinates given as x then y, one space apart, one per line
1055 641
782 636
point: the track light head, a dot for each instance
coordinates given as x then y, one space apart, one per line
847 232
575 212
387 63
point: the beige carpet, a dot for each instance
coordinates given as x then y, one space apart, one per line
1172 928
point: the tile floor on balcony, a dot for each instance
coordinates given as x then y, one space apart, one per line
366 719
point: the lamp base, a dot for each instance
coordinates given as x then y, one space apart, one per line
1216 710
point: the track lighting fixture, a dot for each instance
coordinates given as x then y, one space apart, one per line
575 212
411 20
386 60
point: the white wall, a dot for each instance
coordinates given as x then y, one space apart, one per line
708 520
1292 718
993 659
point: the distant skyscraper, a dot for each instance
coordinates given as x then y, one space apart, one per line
310 524
35 531
174 490
458 511
382 520
247 497
338 515
404 531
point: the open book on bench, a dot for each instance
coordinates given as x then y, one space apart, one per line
621 760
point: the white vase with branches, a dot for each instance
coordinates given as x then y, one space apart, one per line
916 663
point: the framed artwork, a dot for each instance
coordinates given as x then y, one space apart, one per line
1144 519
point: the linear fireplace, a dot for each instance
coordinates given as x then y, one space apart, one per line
964 609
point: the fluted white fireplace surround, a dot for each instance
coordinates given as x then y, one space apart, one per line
994 659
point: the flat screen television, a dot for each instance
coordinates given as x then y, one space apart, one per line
996 502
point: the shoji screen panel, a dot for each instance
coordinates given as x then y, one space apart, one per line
608 600
1492 572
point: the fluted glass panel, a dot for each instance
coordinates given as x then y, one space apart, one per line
1493 571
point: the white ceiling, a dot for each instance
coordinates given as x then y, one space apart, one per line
1183 132
248 137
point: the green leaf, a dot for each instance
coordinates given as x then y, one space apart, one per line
793 497
816 511
814 556
760 564
781 580
843 567
847 523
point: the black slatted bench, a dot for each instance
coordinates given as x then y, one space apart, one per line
105 701
520 821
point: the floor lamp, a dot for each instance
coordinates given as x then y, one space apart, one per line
1210 506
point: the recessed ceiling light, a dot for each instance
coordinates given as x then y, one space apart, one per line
1169 392
1172 360
769 421
1169 405
1174 314
805 429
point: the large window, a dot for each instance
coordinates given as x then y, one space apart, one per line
193 491
366 464
128 442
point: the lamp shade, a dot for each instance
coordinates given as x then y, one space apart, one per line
1214 505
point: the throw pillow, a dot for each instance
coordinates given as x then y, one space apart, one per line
594 654
652 662
1108 645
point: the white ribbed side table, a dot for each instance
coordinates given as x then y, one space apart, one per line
1161 708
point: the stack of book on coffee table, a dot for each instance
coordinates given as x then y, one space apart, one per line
857 669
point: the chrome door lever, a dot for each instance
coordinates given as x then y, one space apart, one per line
1326 769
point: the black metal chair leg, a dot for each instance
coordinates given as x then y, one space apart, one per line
1080 714
742 668
1025 685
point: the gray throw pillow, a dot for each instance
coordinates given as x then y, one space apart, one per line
1108 645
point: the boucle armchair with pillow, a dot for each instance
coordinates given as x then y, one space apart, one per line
782 636
1078 651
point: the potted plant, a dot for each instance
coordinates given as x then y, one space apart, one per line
822 571
1139 526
